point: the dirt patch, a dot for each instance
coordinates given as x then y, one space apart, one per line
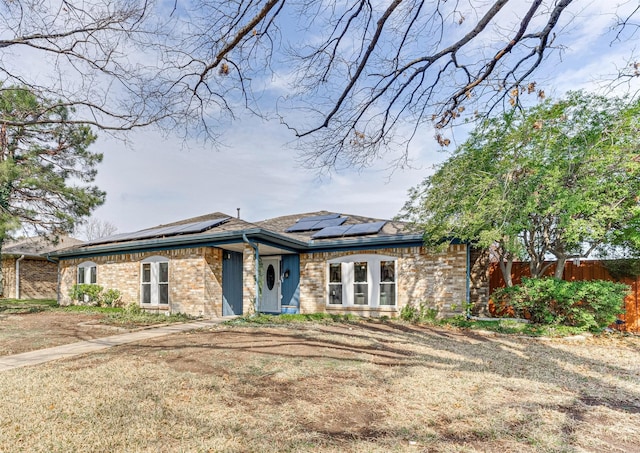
27 332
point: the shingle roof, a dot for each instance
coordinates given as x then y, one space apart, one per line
37 246
270 231
280 225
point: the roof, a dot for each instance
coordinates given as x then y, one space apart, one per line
37 246
216 229
281 224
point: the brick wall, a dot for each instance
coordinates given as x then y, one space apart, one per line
248 279
38 278
9 277
438 280
195 278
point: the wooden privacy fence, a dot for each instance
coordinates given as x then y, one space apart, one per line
586 270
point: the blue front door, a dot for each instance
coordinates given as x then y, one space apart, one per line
231 283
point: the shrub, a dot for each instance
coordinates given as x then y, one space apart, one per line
111 298
588 304
92 294
86 293
418 313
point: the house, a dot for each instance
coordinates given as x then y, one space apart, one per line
306 263
27 273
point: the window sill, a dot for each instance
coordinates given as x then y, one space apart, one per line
149 307
363 308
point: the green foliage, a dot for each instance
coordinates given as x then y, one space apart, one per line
111 297
587 304
289 318
91 309
418 313
92 294
45 166
87 293
133 315
622 268
558 178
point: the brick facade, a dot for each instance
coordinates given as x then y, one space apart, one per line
437 280
38 278
195 278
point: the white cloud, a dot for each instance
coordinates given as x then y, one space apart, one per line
157 181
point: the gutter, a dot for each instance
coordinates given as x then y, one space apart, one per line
257 263
18 276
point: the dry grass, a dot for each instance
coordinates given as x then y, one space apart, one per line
365 387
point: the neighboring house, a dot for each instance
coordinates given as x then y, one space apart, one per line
27 272
314 262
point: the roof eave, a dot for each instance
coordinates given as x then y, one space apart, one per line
258 234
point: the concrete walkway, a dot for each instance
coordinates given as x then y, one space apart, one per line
82 347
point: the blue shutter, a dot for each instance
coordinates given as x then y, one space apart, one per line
231 283
290 284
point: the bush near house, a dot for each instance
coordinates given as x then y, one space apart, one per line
92 294
590 304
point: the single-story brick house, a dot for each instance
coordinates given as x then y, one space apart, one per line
27 273
307 263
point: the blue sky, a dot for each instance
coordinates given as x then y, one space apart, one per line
157 179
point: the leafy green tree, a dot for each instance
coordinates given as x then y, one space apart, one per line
45 167
560 179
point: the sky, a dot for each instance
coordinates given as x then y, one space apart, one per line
156 179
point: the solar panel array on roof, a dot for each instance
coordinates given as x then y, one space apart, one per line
174 230
319 217
358 229
316 223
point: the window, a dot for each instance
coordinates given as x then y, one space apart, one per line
387 282
362 280
87 273
335 283
154 282
360 285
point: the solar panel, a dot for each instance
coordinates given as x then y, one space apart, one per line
329 223
199 227
301 226
359 229
331 232
316 223
186 228
365 228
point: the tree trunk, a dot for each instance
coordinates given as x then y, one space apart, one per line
505 266
560 267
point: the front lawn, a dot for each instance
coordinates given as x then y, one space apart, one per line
330 386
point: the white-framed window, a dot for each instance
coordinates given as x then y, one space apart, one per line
335 284
87 273
387 282
362 281
154 281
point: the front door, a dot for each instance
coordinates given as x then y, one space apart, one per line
270 297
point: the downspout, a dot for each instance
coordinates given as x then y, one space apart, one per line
257 256
18 276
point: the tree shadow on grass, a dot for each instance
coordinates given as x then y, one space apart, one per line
583 383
